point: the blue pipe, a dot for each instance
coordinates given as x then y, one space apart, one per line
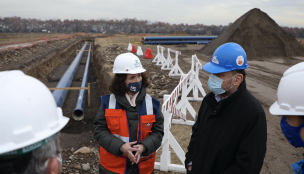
174 42
78 112
180 38
67 78
202 42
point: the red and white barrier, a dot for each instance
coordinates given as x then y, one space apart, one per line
160 55
168 109
195 86
168 63
174 95
195 67
161 60
176 70
188 82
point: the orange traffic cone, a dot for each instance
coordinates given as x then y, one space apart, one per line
133 49
148 54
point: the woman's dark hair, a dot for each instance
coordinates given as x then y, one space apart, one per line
118 85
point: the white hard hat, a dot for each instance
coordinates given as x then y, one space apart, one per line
290 92
127 63
29 114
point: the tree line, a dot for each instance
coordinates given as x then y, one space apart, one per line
126 25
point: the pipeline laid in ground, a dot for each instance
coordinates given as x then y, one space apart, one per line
67 78
78 112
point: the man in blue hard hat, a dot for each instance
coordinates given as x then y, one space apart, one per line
229 136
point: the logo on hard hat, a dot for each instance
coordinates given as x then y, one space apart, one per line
148 124
240 60
214 60
137 63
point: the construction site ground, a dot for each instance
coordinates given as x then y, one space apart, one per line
262 79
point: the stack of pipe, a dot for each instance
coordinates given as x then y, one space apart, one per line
170 40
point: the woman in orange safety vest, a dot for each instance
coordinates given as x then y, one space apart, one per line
129 124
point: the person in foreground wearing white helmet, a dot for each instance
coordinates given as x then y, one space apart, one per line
129 124
230 134
30 121
290 105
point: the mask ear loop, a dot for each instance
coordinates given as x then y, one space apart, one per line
231 82
127 85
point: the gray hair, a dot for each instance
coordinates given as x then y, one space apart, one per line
41 155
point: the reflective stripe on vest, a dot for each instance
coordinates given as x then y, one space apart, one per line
149 111
148 99
117 122
124 139
149 105
112 102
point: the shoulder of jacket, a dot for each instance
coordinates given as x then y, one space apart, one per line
155 103
105 100
253 106
251 100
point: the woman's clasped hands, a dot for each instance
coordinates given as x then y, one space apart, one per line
128 148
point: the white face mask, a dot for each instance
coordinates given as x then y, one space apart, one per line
215 84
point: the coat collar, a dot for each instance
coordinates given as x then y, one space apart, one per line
123 101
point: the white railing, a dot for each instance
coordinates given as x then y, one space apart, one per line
168 109
159 55
174 107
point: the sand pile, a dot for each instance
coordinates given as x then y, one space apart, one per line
260 36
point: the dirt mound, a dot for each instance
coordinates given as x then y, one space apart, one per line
38 60
260 36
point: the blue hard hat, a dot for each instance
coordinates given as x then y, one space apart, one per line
227 57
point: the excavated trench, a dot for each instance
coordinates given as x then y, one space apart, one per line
47 62
50 66
85 125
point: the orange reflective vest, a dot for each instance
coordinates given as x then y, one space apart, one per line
118 125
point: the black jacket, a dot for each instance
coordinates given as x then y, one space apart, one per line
228 137
112 144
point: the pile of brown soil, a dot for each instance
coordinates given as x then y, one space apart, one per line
260 36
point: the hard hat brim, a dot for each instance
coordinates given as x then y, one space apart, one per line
275 109
214 69
131 72
38 137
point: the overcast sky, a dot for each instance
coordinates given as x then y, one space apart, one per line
218 12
